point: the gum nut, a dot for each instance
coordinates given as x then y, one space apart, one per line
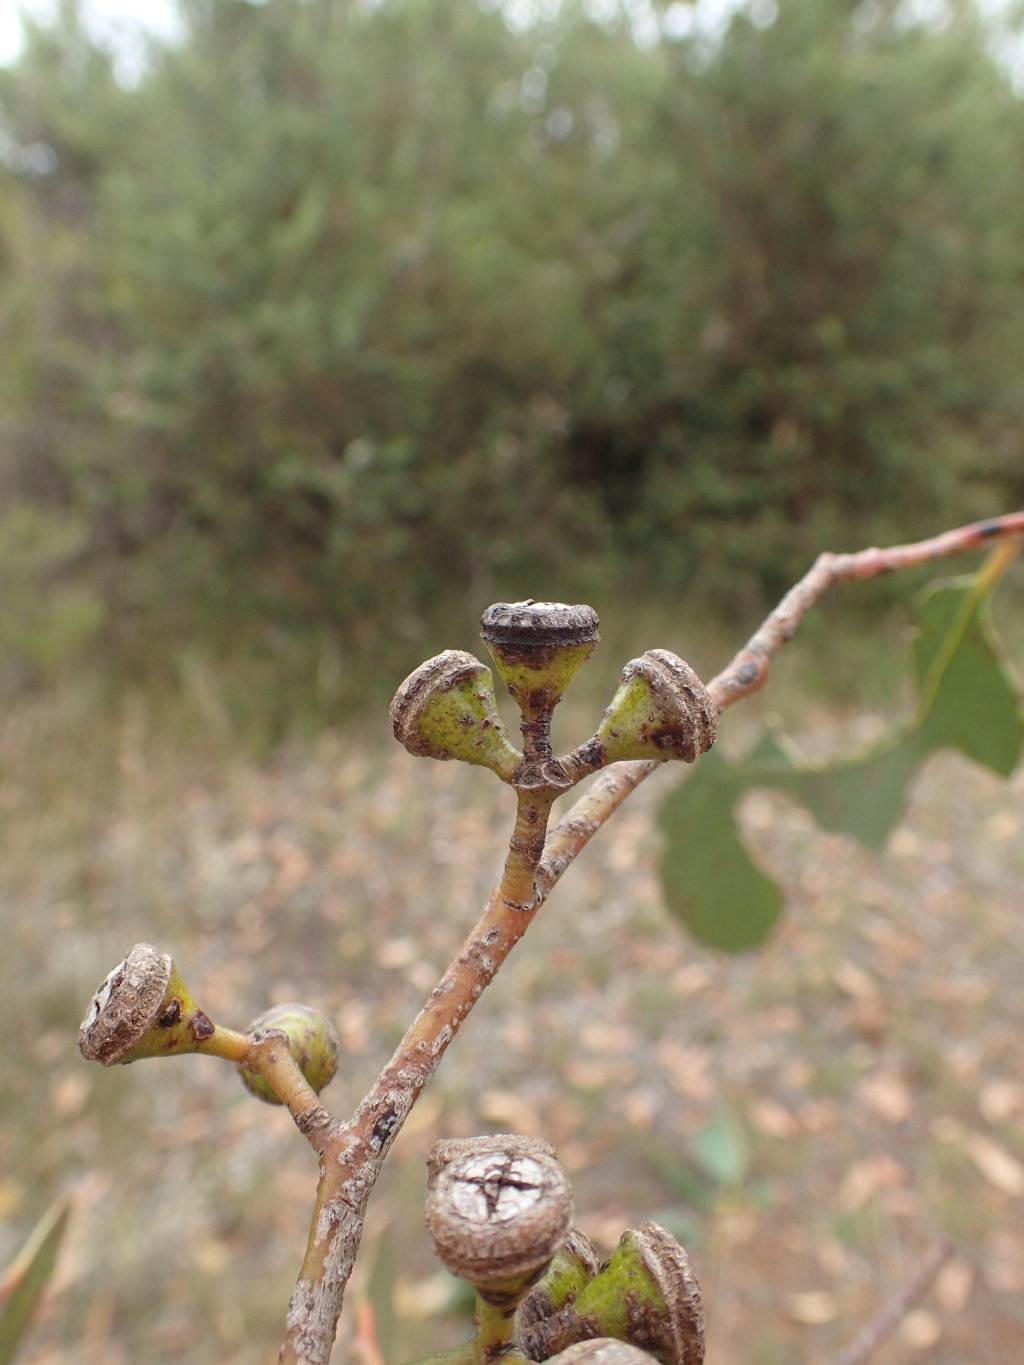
312 1040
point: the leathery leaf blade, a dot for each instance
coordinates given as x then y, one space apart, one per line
968 698
708 878
861 796
968 692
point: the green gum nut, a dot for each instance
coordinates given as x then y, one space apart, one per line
143 1009
575 1264
312 1040
661 710
446 709
647 1296
539 647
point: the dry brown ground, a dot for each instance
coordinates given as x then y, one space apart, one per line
868 1062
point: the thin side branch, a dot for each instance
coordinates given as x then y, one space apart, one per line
748 671
353 1152
887 1321
269 1055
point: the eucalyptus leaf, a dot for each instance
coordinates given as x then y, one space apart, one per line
968 698
975 704
708 878
721 1149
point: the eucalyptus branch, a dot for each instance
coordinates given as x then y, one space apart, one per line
748 670
354 1151
270 1058
444 710
357 1149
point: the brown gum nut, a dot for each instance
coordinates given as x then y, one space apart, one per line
447 1150
443 671
125 1006
528 627
499 1211
539 647
446 709
670 1268
602 1351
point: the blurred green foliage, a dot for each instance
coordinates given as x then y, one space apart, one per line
23 1282
342 313
968 698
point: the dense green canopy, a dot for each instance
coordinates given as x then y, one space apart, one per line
342 308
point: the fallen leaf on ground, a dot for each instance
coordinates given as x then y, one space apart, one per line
865 1178
999 1100
995 1163
887 1094
813 1308
953 1285
772 1119
920 1329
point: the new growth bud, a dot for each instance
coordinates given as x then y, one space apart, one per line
446 709
143 1009
312 1040
497 1212
661 710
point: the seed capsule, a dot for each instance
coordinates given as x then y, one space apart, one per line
661 710
143 1009
497 1214
647 1296
539 647
447 1150
601 1351
446 709
312 1040
575 1264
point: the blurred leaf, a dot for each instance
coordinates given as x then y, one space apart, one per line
968 699
721 1149
708 878
379 1291
27 1276
973 699
862 797
679 1173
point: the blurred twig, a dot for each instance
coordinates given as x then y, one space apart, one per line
898 1307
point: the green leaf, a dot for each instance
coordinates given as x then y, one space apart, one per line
971 700
27 1277
861 796
968 698
721 1149
708 878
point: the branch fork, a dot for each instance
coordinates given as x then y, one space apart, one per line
446 709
